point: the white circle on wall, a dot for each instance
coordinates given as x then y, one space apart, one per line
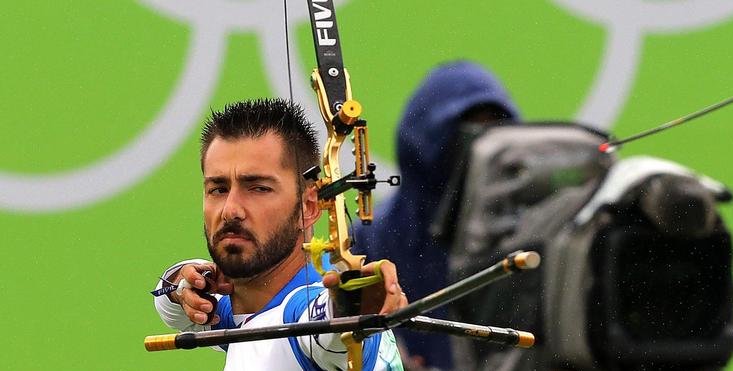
626 22
177 118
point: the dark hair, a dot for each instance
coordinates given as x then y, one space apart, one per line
255 118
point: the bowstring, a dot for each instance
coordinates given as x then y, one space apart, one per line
287 50
301 185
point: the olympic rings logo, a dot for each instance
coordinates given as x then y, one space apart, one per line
626 22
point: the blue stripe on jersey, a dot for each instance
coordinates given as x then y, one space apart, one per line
298 280
224 310
293 310
371 352
307 275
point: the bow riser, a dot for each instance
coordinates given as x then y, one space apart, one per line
339 242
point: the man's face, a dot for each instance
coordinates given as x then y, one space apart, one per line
251 204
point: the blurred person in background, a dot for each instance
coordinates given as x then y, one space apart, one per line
430 147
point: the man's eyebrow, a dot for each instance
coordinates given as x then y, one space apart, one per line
215 179
246 178
249 178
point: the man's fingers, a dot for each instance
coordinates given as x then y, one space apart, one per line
192 274
197 308
385 296
389 272
214 321
331 279
193 300
218 283
397 302
393 302
195 315
395 297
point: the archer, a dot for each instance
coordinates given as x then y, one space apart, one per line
257 214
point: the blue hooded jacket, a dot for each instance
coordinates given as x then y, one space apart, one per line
400 229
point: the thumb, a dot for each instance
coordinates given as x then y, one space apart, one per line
331 279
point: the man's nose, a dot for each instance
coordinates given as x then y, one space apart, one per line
233 207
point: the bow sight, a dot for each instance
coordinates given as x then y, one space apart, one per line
362 183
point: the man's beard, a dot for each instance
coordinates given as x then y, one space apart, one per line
265 255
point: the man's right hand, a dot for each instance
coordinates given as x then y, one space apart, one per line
192 302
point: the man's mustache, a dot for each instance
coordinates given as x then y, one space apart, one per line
232 228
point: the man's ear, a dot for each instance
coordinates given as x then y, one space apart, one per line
311 211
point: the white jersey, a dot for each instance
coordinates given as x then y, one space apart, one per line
319 352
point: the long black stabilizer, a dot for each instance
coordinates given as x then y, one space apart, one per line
365 325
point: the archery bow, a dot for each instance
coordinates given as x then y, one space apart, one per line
341 114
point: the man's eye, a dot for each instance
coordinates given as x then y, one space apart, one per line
261 189
217 191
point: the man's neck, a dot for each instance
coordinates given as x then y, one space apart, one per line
252 294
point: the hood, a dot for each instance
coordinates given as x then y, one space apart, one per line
431 117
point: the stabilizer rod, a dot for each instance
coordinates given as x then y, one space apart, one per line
365 325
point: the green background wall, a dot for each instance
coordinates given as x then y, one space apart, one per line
82 82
